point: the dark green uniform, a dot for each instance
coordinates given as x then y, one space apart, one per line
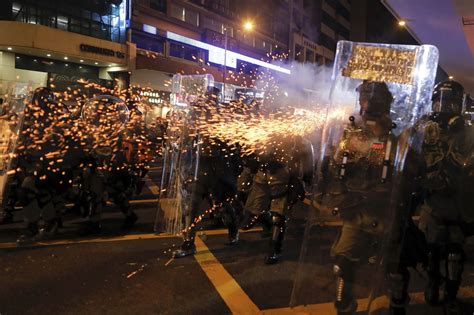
448 189
277 185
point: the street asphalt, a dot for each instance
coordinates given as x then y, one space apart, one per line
132 273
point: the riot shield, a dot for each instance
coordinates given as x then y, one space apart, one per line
180 153
11 119
378 92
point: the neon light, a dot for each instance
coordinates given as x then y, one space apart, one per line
216 54
149 29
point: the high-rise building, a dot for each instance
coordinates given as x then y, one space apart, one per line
315 28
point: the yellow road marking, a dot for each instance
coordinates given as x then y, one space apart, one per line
130 237
230 291
153 188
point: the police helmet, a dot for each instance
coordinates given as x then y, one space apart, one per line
375 98
448 97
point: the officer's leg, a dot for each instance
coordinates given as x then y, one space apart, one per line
48 213
122 200
351 244
10 199
398 287
223 192
188 247
229 216
93 202
276 241
278 210
434 276
345 302
454 267
31 210
257 207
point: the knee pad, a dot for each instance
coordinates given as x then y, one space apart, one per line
229 216
277 219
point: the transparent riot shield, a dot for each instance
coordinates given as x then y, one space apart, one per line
378 93
11 119
180 153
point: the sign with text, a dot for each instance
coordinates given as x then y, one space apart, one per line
381 64
101 51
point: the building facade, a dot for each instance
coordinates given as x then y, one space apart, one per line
195 37
55 43
145 42
315 28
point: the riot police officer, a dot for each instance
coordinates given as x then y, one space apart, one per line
214 180
358 184
447 181
44 177
276 186
107 171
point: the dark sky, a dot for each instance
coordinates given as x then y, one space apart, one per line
382 27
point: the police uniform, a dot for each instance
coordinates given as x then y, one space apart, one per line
357 185
277 185
447 183
41 161
213 179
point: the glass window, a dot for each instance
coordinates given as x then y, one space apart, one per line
328 20
342 11
309 55
192 17
146 42
71 16
159 5
299 53
62 22
178 12
228 29
182 51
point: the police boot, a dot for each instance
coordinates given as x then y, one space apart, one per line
345 302
187 249
50 228
276 242
29 235
454 269
434 277
229 217
399 297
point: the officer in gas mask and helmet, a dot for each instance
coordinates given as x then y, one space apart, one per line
214 175
44 165
447 182
358 184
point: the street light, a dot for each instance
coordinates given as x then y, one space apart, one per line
404 22
247 26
